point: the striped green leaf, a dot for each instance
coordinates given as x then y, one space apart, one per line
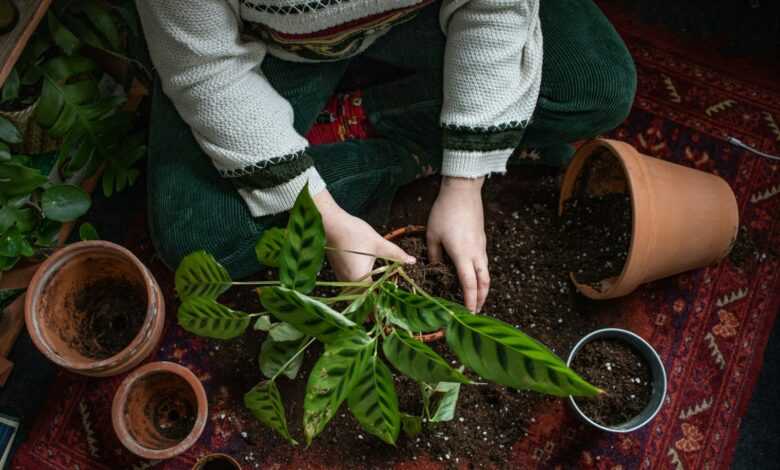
200 275
284 332
206 317
307 315
304 247
504 355
417 360
410 311
265 403
374 403
359 310
331 381
269 247
445 407
275 354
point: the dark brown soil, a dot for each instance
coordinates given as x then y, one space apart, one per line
439 279
530 289
622 373
173 416
113 311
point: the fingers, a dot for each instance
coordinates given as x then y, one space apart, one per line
389 249
434 249
483 281
468 281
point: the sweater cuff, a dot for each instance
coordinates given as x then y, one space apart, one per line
474 163
280 198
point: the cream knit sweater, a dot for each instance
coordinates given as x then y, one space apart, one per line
211 71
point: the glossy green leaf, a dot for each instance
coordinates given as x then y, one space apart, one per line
374 402
100 17
8 132
331 381
87 231
26 219
309 316
19 180
263 323
7 218
200 275
206 317
7 296
265 403
7 263
275 354
11 86
269 247
47 233
5 152
410 311
13 244
418 361
65 202
283 331
448 401
62 36
504 355
304 248
411 425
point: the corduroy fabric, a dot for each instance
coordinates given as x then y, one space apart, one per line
588 83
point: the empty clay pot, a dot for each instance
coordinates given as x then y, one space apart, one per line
410 230
683 218
53 320
216 462
159 410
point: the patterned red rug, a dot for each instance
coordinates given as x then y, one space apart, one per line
709 326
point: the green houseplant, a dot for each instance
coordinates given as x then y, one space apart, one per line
381 319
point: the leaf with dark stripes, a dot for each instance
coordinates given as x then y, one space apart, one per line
418 361
331 381
206 317
359 310
269 247
304 247
445 407
275 354
200 275
504 355
307 315
374 403
265 403
413 312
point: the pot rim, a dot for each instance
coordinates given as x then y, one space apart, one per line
120 398
625 160
412 230
657 369
38 285
199 463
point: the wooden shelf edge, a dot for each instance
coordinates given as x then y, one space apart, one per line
25 28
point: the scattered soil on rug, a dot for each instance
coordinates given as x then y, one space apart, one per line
623 374
596 226
530 289
112 313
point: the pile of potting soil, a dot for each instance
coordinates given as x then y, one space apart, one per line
530 289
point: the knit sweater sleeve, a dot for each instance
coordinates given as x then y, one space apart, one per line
492 75
215 81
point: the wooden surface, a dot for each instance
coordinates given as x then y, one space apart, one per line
12 44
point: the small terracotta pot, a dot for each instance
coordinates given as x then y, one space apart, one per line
201 463
50 313
159 410
683 218
411 230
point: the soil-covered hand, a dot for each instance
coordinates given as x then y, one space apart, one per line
347 232
457 224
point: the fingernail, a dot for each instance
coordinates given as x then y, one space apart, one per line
411 260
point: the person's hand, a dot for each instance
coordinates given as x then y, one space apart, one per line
347 232
457 224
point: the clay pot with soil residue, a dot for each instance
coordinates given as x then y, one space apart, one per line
683 218
415 231
217 462
94 309
159 410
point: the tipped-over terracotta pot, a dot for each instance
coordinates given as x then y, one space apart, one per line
53 319
415 230
221 461
159 410
683 218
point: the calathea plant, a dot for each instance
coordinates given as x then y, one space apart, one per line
379 322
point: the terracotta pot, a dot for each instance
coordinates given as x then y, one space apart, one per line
683 218
412 230
51 316
221 458
159 410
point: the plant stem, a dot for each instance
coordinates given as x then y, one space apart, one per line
289 361
255 283
408 279
333 300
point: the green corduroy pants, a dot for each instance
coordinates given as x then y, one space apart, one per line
588 85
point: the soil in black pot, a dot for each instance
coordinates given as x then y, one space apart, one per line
173 416
623 374
597 220
112 312
219 463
